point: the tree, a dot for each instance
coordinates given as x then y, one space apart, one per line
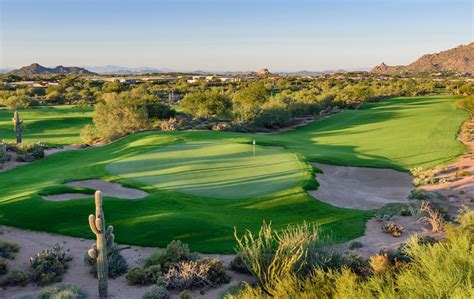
249 100
210 103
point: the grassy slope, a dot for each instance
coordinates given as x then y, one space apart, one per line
400 133
59 125
213 169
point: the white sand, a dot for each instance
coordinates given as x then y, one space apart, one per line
361 188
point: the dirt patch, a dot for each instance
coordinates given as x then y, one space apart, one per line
360 187
78 273
110 189
375 239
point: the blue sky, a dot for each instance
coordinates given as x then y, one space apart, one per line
229 34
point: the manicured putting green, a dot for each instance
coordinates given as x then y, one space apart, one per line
213 169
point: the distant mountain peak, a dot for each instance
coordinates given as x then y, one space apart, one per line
37 69
459 59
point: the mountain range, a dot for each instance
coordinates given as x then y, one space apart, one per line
459 60
36 69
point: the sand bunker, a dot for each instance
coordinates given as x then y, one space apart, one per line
67 196
360 187
110 189
107 188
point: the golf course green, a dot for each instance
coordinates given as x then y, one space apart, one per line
55 125
202 184
213 169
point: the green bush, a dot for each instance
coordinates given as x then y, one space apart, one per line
68 291
8 249
15 278
3 266
186 294
143 275
323 254
237 264
174 253
157 292
117 264
50 265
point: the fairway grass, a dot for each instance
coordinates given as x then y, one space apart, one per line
54 125
400 133
213 169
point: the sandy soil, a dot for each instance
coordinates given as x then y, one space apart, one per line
360 187
78 273
375 239
107 188
459 185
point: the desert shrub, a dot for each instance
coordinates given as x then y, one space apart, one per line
68 291
186 294
379 263
117 264
405 212
357 264
419 194
15 278
8 249
323 254
355 245
4 156
175 252
157 292
3 266
272 255
237 264
216 273
187 275
144 275
28 152
434 218
462 173
50 264
422 176
439 270
394 229
170 125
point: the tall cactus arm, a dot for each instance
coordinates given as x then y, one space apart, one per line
92 224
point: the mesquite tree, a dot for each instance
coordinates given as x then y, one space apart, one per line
105 240
17 126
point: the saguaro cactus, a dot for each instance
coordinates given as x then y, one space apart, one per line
105 240
17 126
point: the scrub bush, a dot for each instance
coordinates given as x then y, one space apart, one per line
50 265
8 249
68 291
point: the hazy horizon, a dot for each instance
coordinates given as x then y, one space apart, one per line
211 35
